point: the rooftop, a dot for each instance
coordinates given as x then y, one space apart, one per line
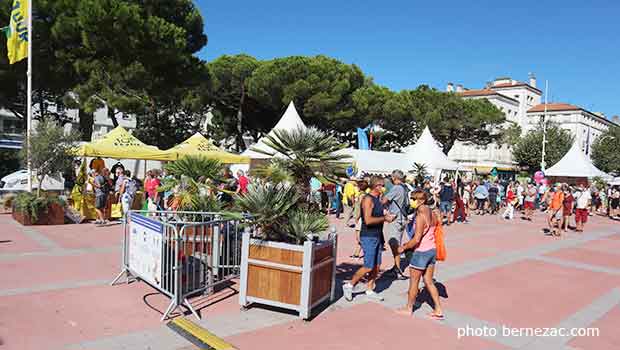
551 107
483 92
514 84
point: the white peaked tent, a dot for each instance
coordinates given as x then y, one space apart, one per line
375 162
290 121
426 151
575 164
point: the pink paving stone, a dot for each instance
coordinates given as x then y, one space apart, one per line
614 237
38 270
588 256
365 326
607 245
18 242
458 255
508 239
609 337
83 235
528 293
52 319
45 320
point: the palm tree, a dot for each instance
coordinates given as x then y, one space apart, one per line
269 204
194 180
419 172
195 167
306 153
273 172
274 212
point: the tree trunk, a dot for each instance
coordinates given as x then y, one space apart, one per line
240 144
42 108
86 125
112 116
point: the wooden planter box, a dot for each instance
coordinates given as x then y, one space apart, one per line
294 277
55 215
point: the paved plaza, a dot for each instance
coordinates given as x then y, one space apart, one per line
502 276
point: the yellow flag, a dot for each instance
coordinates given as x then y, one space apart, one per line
17 42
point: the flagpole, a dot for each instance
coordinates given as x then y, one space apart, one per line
29 97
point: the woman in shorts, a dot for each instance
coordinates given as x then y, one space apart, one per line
422 263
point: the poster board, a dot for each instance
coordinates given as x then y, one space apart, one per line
145 248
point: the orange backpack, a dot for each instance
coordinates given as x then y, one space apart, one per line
439 243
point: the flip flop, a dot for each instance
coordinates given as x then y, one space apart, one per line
434 316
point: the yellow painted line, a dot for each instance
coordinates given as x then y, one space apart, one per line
202 335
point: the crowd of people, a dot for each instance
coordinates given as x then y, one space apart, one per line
116 190
401 215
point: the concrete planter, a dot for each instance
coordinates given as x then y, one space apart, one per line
294 277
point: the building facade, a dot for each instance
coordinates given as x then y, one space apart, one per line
585 126
521 104
12 127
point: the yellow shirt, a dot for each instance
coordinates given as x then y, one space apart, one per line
349 192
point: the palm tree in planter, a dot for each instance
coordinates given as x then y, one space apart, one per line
287 264
306 153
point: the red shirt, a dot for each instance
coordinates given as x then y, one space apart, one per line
510 196
243 184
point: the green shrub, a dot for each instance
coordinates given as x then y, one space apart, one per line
31 204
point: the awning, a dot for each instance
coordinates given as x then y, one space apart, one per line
197 144
120 144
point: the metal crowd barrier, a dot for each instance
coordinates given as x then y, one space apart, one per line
181 254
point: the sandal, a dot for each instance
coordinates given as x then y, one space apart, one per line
434 316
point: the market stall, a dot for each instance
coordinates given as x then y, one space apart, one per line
375 162
427 152
117 144
574 167
197 144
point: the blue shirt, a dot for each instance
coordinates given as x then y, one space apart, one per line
315 184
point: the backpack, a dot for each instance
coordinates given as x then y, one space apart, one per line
131 187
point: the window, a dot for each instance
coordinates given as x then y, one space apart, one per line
12 126
517 97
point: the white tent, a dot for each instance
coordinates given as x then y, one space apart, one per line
376 162
426 151
290 121
575 164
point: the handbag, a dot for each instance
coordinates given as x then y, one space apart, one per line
116 211
439 244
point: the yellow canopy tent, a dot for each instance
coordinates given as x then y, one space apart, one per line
197 144
120 144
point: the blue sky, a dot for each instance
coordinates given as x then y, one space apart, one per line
402 44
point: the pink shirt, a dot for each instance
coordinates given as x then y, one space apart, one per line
243 184
428 240
150 186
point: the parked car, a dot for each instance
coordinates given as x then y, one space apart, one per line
18 181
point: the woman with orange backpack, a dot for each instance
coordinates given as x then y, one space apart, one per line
424 257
